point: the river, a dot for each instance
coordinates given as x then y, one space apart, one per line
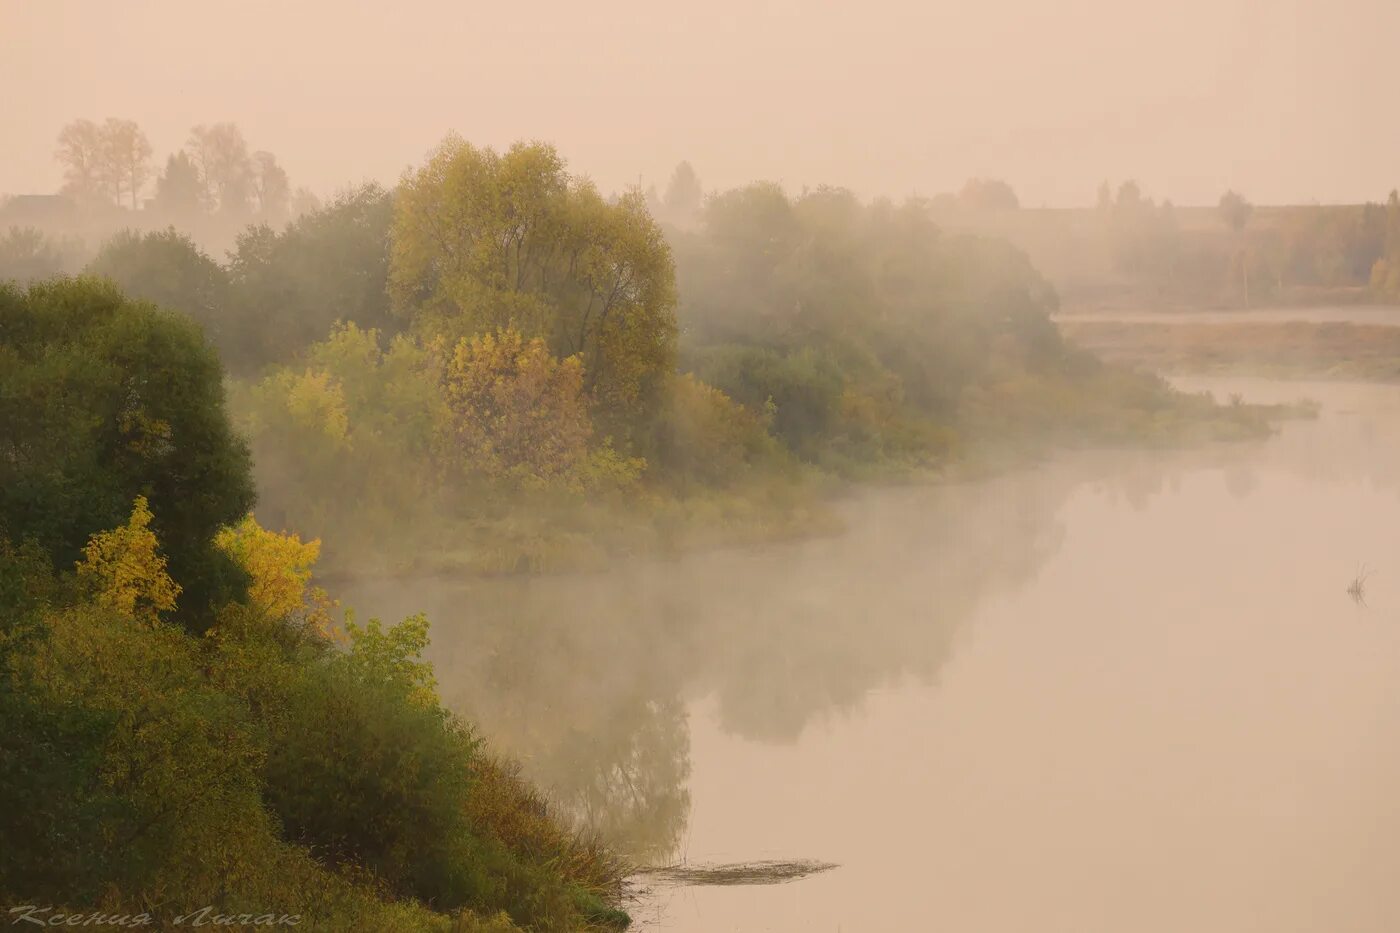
1122 691
1384 315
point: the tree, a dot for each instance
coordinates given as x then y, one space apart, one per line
517 412
1129 196
484 242
126 158
104 399
863 324
803 389
27 255
304 201
279 574
221 155
180 189
271 189
351 422
988 194
1235 211
125 571
1385 271
329 265
80 152
683 195
1104 201
166 267
712 438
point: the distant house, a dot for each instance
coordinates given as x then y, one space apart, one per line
37 210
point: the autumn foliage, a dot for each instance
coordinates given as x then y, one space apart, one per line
125 571
515 411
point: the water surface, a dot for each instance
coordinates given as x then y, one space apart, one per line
1387 315
1121 691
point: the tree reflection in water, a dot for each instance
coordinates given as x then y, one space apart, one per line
588 678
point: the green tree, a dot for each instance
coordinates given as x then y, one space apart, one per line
104 399
684 196
802 388
27 255
179 189
358 423
484 242
329 265
166 267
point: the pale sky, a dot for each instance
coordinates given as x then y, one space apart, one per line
1286 100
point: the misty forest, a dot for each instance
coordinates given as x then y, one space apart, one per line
513 543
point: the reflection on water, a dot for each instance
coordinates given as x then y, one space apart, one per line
588 678
1119 692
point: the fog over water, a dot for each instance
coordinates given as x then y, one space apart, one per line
1121 691
1384 315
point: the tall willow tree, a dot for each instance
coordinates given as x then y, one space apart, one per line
485 241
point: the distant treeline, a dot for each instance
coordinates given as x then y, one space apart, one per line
1130 251
211 189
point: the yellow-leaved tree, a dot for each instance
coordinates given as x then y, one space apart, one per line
279 572
516 412
124 569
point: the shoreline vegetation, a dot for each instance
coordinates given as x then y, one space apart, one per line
490 369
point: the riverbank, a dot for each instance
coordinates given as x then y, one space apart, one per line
1005 425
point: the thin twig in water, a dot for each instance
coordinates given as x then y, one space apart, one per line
773 872
1357 588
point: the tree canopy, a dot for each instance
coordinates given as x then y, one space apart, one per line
166 268
329 265
102 400
486 241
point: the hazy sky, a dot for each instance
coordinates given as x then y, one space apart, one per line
1288 100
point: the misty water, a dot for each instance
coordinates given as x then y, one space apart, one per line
1384 315
1118 691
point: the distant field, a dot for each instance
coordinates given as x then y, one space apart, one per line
1341 350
